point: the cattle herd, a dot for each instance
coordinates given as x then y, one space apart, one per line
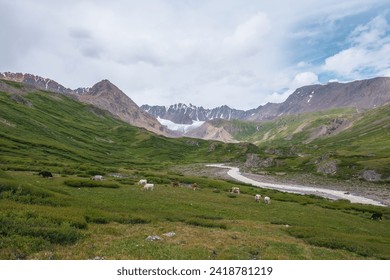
234 190
258 197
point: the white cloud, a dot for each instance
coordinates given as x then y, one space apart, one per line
276 97
303 64
204 52
248 36
370 48
303 79
300 80
371 33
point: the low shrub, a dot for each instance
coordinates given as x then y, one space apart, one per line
95 172
206 224
97 220
28 194
90 184
131 221
209 217
18 247
36 226
341 241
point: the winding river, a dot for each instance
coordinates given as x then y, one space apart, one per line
234 172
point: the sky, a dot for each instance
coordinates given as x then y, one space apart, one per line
208 53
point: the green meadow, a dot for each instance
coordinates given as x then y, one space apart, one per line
70 216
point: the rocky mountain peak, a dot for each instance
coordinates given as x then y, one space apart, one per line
106 88
104 95
104 85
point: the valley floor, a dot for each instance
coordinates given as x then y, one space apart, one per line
355 190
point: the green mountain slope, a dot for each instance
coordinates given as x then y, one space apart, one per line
43 129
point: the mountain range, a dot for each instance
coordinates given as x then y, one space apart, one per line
364 94
198 122
357 95
183 114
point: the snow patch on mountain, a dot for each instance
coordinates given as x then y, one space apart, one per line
180 127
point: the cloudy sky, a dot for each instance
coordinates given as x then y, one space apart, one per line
208 53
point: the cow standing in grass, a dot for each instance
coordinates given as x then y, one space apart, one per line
235 190
45 174
142 182
97 178
257 198
148 187
267 200
376 216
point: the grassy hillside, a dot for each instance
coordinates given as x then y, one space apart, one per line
48 130
353 141
70 216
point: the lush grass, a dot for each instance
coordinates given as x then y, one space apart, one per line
208 225
70 216
90 184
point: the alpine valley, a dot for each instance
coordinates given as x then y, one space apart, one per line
54 140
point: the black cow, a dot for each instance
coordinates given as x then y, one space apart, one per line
45 174
376 216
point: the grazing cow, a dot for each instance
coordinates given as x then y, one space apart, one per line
45 174
142 182
194 186
257 197
97 178
267 200
148 187
376 216
235 190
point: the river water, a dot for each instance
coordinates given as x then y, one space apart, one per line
235 173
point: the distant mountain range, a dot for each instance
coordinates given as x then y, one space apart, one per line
183 114
364 94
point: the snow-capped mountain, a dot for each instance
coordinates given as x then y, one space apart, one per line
187 114
364 94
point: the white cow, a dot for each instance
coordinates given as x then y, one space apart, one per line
142 182
97 178
235 190
267 200
148 187
257 198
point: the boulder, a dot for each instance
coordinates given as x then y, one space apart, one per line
370 175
